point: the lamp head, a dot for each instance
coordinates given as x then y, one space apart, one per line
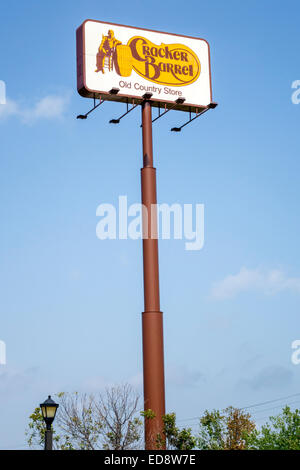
49 408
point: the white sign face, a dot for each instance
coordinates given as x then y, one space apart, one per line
138 61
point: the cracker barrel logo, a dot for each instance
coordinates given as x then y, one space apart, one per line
166 64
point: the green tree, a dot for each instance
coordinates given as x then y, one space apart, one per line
172 437
87 422
35 433
212 431
226 430
281 433
175 438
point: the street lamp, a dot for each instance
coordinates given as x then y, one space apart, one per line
49 408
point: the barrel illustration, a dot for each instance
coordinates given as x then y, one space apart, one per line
123 60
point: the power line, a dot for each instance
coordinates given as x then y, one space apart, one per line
269 401
273 407
253 406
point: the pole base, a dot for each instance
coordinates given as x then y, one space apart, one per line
154 383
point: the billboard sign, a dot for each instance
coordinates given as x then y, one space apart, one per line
136 61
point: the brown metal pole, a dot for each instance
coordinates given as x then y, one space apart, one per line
152 317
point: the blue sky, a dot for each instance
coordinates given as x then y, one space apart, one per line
71 304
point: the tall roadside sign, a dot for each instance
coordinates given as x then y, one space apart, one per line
149 68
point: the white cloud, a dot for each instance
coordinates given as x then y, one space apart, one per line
8 109
266 281
49 107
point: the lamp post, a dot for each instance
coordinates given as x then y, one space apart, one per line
49 408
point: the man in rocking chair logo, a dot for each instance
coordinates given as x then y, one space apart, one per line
106 50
